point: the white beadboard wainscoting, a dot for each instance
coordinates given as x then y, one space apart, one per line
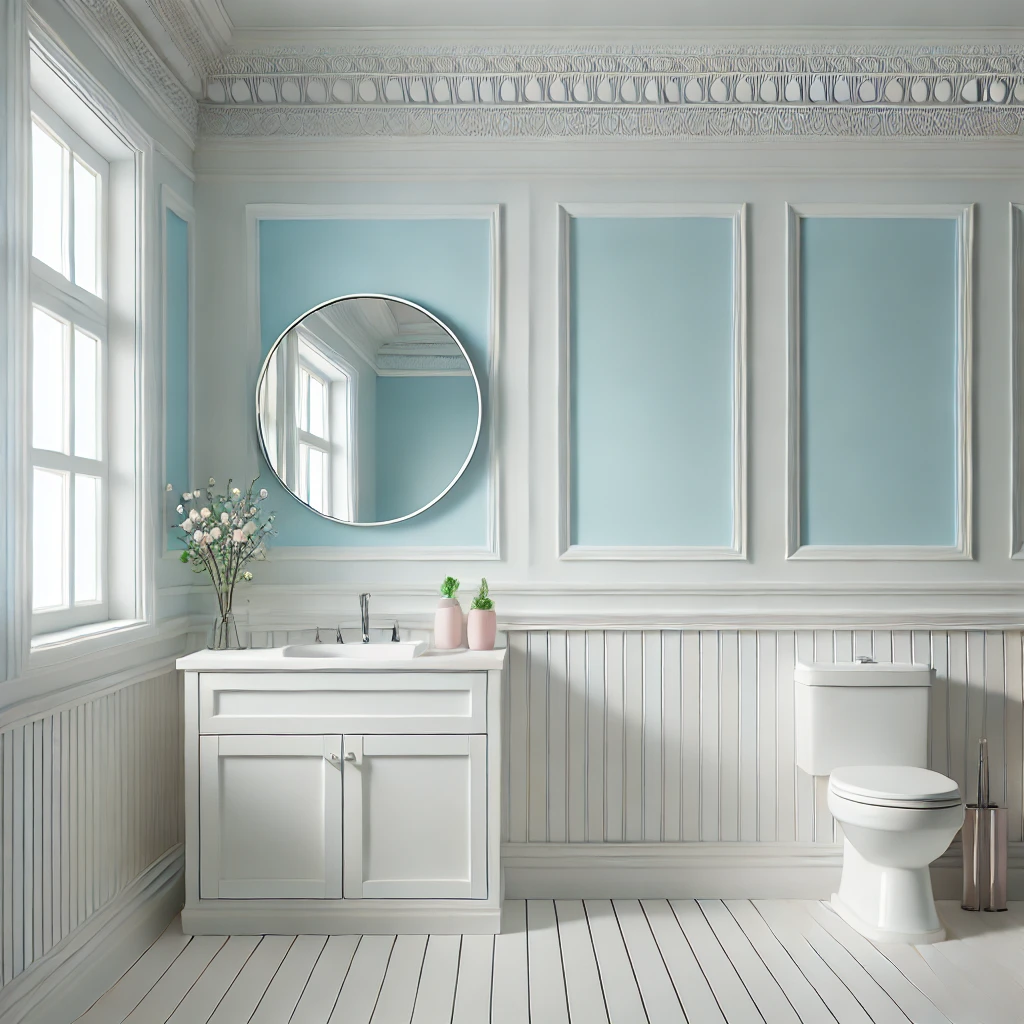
92 799
645 762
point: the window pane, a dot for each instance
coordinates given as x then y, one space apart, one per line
303 400
317 398
49 539
49 373
87 381
87 208
87 538
318 479
304 471
49 199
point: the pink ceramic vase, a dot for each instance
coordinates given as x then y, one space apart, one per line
481 629
448 624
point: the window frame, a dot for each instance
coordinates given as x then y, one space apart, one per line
132 372
79 309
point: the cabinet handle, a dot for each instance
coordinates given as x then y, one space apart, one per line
335 760
350 756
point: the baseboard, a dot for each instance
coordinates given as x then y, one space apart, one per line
63 984
702 870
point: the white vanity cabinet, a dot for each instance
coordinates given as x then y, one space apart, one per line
329 797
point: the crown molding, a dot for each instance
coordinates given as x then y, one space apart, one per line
111 27
601 90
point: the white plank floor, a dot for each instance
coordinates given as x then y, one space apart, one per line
590 962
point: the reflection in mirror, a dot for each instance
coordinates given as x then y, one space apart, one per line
368 409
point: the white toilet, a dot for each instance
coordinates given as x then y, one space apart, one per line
866 727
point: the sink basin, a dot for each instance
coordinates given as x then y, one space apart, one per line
400 651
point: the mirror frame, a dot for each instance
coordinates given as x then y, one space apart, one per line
472 370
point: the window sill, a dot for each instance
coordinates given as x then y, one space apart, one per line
48 648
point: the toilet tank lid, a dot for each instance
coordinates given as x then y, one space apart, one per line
857 673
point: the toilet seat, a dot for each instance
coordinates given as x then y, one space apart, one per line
894 786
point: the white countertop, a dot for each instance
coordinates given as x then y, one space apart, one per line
272 659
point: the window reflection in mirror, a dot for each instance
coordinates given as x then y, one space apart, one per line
369 409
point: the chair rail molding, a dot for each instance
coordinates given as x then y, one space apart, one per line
256 212
736 550
562 90
962 549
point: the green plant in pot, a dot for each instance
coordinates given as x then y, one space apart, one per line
482 627
448 617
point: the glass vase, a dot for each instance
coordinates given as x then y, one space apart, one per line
224 635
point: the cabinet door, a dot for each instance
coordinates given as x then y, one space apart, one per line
270 817
416 817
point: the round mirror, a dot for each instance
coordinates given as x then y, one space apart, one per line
368 409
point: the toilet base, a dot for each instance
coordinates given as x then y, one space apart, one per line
876 934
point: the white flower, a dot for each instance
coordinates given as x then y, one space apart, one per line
212 481
247 576
206 538
238 537
252 511
181 510
187 496
249 529
263 492
215 533
205 513
194 516
235 491
187 525
224 517
195 491
197 536
170 487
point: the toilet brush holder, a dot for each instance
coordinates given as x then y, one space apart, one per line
983 837
983 840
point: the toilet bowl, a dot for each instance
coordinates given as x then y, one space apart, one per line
895 820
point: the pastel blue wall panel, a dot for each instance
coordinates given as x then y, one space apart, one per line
176 385
651 381
878 401
443 265
424 425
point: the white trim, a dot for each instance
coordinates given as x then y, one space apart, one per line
64 983
380 554
962 549
737 550
256 212
170 200
713 870
1016 368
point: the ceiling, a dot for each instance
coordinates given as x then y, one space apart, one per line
635 14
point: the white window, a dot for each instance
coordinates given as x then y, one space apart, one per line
314 437
67 356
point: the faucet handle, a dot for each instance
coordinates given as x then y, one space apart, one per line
338 638
394 633
317 639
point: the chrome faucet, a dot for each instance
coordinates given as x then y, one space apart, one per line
364 614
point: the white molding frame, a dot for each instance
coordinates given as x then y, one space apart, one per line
737 550
962 549
1016 368
712 870
67 980
170 200
256 212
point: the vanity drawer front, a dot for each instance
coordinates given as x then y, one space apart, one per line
342 702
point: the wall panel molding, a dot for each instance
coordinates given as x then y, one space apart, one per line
566 549
1016 384
257 212
963 501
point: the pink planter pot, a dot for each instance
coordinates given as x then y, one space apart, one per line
481 629
448 624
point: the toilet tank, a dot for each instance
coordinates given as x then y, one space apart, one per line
861 713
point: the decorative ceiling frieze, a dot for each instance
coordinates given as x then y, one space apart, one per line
557 91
